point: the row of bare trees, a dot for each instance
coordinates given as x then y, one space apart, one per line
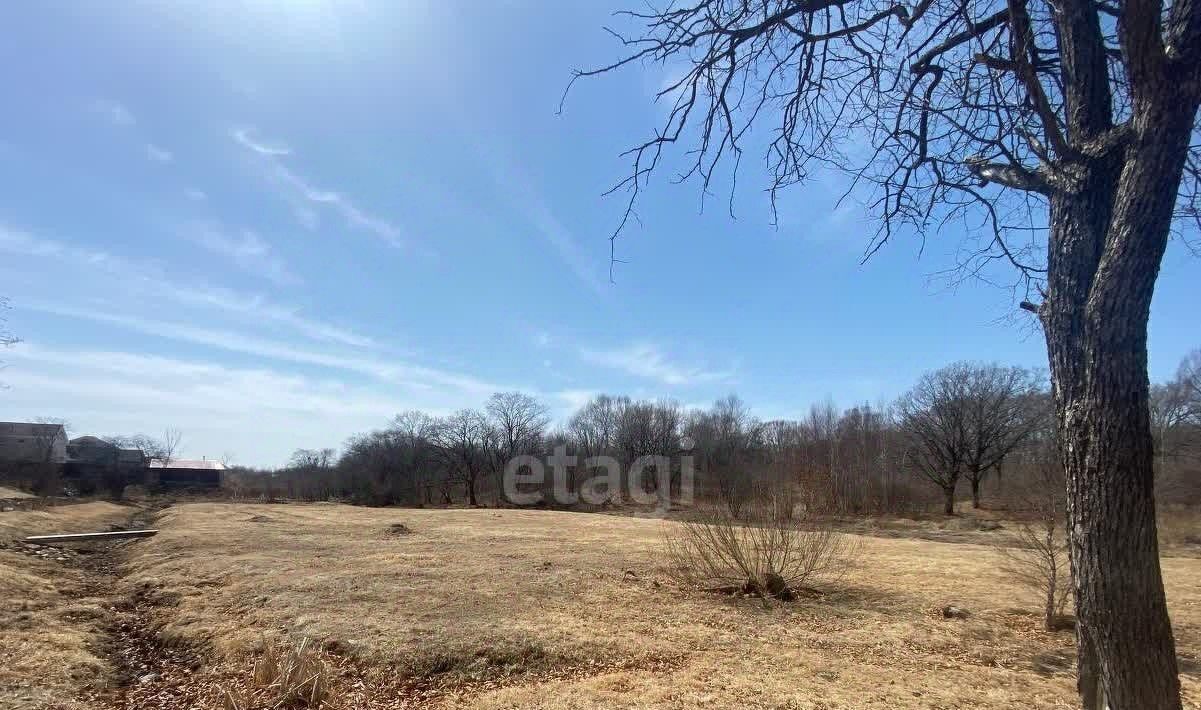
974 422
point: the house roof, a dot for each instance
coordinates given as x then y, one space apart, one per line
29 429
90 441
190 463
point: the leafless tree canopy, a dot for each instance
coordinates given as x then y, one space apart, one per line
7 339
933 106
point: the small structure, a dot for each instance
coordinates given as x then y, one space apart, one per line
32 443
186 473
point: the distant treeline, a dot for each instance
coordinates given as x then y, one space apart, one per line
988 424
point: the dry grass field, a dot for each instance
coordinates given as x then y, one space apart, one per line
51 614
537 609
534 609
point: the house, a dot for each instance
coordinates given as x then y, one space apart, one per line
91 459
186 473
32 443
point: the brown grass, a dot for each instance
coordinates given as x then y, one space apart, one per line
539 609
50 620
285 675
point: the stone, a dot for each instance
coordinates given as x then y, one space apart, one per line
951 611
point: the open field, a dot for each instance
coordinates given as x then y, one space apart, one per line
495 604
537 609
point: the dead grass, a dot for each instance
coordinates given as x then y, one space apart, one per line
14 494
540 609
285 675
50 623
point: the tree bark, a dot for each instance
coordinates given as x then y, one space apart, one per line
975 491
949 501
1107 241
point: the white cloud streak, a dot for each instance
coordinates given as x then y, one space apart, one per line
257 413
247 250
114 112
392 371
339 203
157 154
305 199
245 137
649 361
149 277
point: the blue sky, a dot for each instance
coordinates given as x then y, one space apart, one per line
273 224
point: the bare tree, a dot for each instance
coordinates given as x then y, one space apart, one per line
1068 129
1188 381
727 439
415 431
161 449
461 439
7 339
518 422
49 439
170 445
1004 407
935 422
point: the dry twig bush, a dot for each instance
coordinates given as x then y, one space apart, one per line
286 676
1036 556
763 554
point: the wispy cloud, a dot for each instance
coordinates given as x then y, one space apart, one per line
157 154
195 195
246 138
522 195
113 111
247 250
563 242
649 361
150 278
339 203
258 413
393 371
306 199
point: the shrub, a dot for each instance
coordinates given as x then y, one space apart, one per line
1036 556
765 554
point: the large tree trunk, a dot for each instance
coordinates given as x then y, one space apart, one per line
1107 241
948 501
975 491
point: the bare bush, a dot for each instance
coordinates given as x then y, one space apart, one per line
1036 556
767 554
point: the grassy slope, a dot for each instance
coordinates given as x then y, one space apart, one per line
48 627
